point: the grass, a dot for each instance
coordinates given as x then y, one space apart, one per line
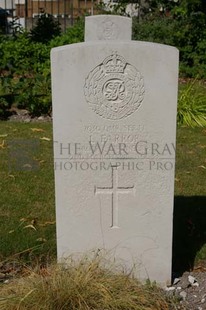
190 179
27 221
27 214
189 237
83 285
192 104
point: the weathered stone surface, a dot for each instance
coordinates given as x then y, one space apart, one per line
108 27
114 119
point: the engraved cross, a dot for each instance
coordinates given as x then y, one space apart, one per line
114 190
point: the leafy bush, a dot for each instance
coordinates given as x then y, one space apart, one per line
25 64
155 30
4 105
45 29
187 33
34 93
74 34
25 67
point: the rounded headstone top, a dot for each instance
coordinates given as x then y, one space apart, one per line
108 27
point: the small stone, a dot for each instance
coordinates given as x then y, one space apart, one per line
40 118
23 112
199 308
169 289
183 295
176 280
27 120
6 281
179 288
191 279
202 300
196 284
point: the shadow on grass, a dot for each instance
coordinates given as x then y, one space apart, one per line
189 231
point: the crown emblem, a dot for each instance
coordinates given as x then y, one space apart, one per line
114 89
114 64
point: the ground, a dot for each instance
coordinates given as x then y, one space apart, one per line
189 286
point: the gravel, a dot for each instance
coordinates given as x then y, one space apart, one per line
191 289
21 115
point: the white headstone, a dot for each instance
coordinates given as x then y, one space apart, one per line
114 120
107 27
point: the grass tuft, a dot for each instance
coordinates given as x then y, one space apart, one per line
191 109
83 285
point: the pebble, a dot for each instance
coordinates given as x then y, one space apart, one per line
27 120
191 279
202 300
183 295
176 280
6 281
40 118
23 112
170 289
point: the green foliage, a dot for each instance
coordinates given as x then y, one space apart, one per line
25 73
21 58
3 106
25 69
155 30
74 34
191 107
182 8
45 29
34 93
181 24
25 64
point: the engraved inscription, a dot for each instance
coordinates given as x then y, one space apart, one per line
114 190
114 89
107 30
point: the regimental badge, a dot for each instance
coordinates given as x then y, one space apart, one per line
114 89
107 30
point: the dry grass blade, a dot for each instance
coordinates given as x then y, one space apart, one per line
83 285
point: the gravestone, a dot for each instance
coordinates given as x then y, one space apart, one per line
114 122
101 27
